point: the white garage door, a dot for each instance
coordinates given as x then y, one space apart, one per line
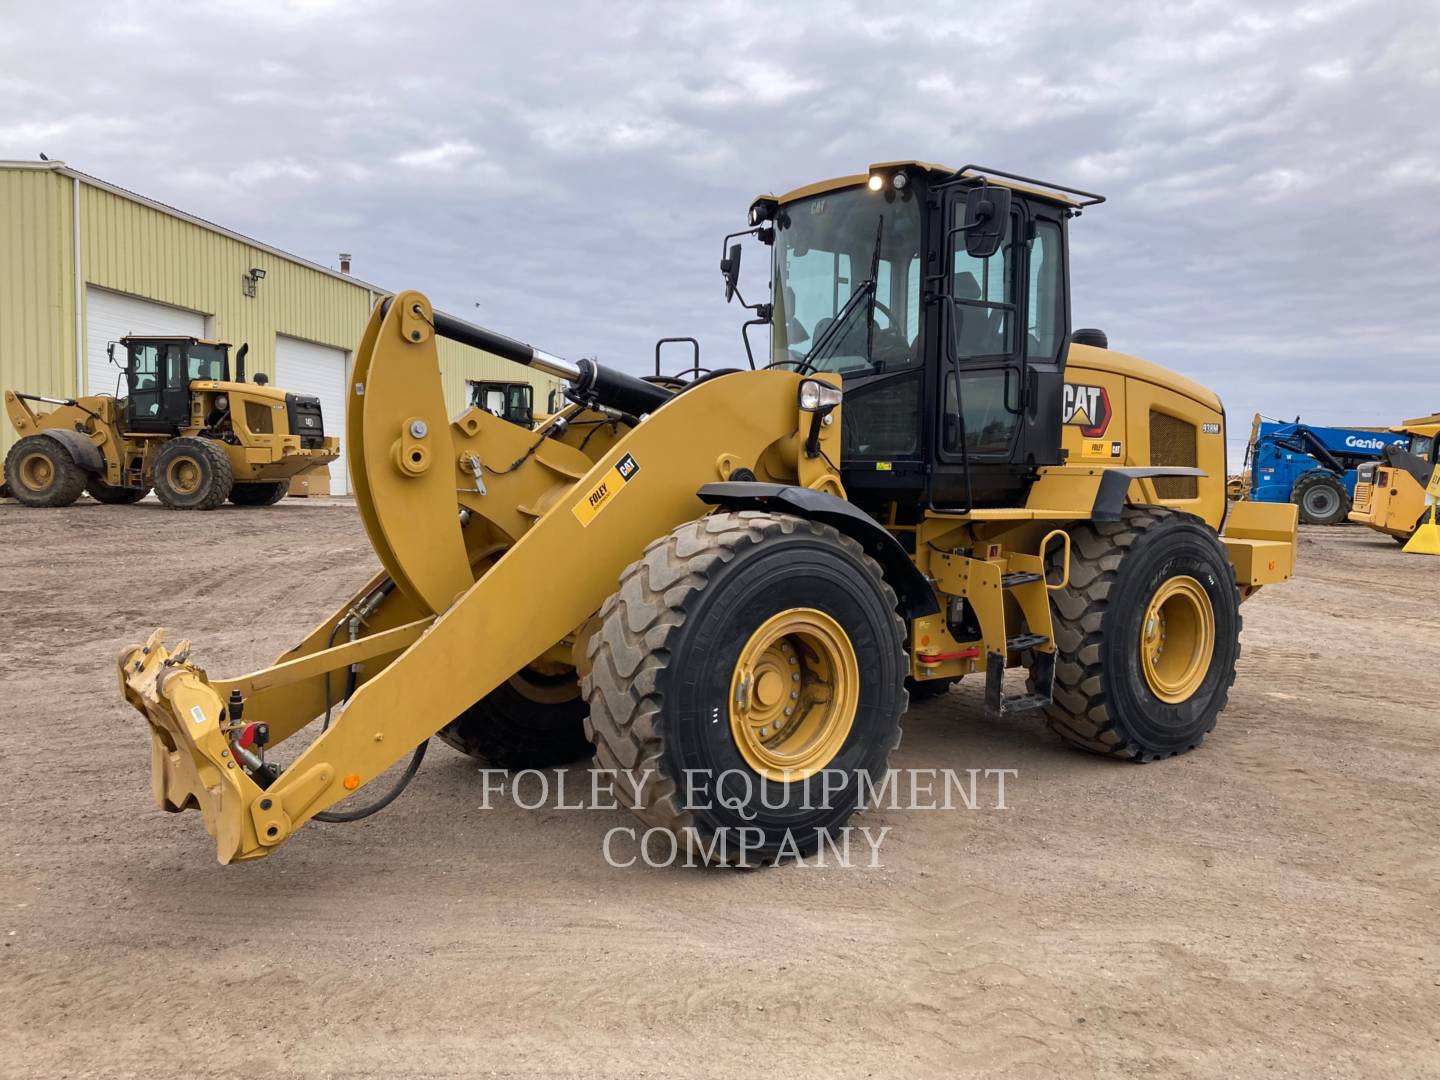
302 367
109 316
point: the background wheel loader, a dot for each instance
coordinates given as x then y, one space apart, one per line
1390 493
184 428
725 585
513 401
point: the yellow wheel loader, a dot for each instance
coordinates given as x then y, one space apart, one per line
184 428
1390 493
725 584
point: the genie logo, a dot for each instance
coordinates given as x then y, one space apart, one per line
1361 442
1087 407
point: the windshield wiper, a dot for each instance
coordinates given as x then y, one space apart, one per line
874 290
866 291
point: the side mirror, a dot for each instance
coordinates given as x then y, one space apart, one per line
730 268
987 209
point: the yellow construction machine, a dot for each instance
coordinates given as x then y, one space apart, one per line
184 428
726 583
1390 493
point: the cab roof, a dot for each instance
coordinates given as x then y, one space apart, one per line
1421 425
1037 188
174 337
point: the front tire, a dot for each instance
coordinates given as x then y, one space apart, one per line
41 473
751 672
192 474
265 494
1147 634
531 721
1322 499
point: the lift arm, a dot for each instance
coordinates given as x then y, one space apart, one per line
484 582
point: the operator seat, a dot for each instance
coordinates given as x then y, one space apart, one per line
978 332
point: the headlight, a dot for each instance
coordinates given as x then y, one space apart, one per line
818 396
222 402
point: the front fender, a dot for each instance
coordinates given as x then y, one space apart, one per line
82 451
917 597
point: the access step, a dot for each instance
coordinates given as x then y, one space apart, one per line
1022 703
1019 577
1025 641
1042 679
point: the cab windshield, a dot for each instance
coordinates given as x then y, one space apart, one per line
829 248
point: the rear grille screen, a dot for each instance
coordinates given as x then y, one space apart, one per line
259 418
1172 442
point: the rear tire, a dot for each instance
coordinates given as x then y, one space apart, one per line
102 492
1322 499
1109 698
192 474
531 721
41 473
713 615
266 494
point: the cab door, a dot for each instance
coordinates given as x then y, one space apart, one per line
1002 349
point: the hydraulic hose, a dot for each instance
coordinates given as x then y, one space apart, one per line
336 816
364 608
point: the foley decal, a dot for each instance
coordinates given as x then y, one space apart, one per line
599 496
1087 407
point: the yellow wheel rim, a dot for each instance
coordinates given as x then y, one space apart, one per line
794 694
546 683
1177 639
184 476
36 472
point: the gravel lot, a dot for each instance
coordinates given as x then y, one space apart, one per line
1266 906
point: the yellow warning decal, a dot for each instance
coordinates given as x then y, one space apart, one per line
883 466
599 496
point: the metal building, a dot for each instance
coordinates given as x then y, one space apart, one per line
83 262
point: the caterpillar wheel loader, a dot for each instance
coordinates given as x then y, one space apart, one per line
1390 493
184 428
513 401
724 584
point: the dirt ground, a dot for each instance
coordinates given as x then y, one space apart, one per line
1266 906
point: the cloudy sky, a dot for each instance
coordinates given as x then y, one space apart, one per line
1272 168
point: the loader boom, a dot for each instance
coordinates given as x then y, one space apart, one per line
448 636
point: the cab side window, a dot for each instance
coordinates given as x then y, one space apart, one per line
1046 297
145 380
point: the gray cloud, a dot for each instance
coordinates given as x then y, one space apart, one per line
1272 168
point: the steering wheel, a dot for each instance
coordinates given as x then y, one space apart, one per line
884 310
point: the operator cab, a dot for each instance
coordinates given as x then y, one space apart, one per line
509 401
158 373
941 298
